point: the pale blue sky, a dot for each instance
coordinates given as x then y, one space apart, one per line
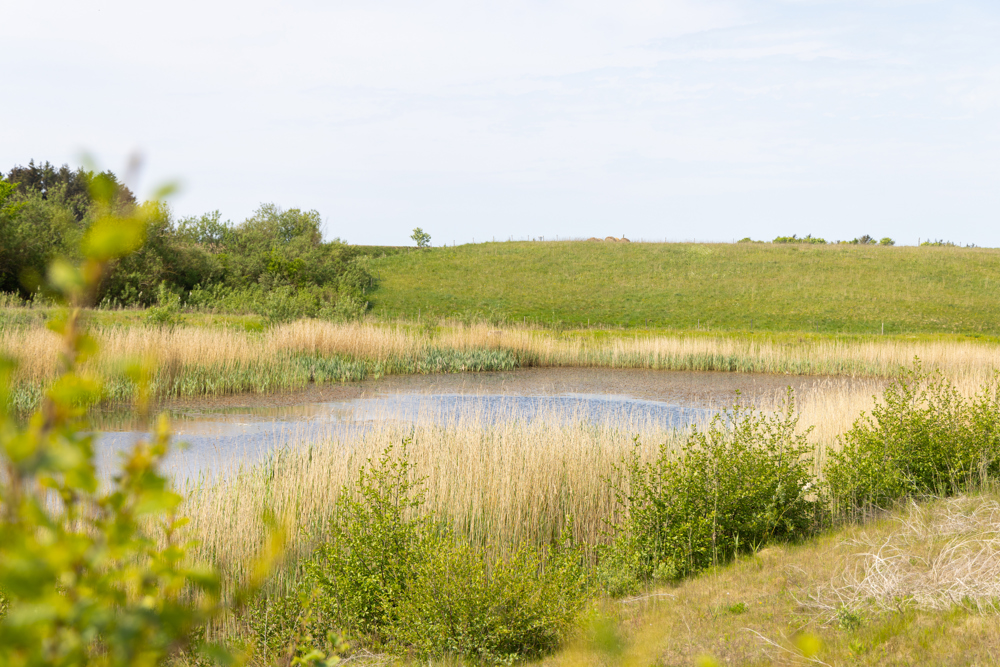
679 120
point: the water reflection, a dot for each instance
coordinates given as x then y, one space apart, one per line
243 429
219 440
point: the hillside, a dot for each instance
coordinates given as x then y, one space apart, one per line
831 289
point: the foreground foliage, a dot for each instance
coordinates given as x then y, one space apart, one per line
92 576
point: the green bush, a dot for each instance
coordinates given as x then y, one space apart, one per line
462 603
742 482
391 575
167 309
378 540
809 238
922 438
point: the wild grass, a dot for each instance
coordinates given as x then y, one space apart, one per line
686 286
931 556
503 484
201 361
914 588
498 484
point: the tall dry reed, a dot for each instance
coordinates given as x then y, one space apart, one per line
187 349
499 482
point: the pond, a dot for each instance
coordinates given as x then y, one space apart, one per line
220 432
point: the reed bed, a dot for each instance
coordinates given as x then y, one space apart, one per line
499 482
191 361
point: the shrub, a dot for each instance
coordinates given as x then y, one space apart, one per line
493 611
922 438
394 577
809 238
167 309
731 488
377 543
885 240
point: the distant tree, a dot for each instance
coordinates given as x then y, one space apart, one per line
864 240
7 191
886 241
33 230
422 238
207 230
72 187
808 238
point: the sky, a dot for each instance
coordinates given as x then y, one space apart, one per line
656 120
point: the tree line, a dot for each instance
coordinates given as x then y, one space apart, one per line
202 261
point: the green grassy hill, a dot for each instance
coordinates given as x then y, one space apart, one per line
830 289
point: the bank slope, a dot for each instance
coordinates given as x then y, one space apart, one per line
834 288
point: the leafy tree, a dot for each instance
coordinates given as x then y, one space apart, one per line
206 230
33 230
71 186
422 238
45 212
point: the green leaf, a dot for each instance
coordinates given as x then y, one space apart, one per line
166 190
157 501
65 277
110 238
74 390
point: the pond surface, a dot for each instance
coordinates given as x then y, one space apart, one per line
223 431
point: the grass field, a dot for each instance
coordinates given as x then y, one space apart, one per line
688 286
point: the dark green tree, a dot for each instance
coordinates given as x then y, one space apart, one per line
72 187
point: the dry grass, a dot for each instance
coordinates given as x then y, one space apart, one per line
36 350
751 613
514 481
499 483
938 555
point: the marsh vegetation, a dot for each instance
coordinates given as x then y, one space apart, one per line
852 519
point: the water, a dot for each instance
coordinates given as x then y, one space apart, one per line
220 432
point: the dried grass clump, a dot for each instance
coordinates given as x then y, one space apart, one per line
938 555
